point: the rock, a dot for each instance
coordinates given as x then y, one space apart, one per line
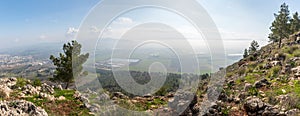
234 109
270 111
93 107
5 91
29 89
292 112
272 64
59 87
84 99
213 110
60 98
242 95
47 96
253 105
261 83
296 71
134 101
77 94
261 93
20 107
9 82
282 98
47 88
170 95
103 97
119 95
247 86
147 96
237 100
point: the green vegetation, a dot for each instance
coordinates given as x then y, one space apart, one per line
37 82
284 25
253 47
245 53
21 82
69 106
69 64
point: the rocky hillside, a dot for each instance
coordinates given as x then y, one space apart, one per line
22 97
265 83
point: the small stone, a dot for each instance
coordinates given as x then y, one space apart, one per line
60 98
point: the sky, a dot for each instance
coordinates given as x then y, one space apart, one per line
30 22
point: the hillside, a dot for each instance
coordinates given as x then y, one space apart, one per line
264 83
22 97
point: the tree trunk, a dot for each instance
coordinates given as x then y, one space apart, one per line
279 43
67 85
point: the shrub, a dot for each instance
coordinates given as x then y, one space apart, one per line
252 58
37 82
253 91
296 53
21 82
162 91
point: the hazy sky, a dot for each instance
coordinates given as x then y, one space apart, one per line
26 22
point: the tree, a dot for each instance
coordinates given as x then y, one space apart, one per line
69 64
280 27
245 53
253 47
295 23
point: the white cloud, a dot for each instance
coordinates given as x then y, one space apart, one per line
124 20
43 37
72 32
94 29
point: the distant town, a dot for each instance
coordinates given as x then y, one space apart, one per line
25 66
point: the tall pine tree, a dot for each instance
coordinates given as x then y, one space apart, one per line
295 23
280 27
69 64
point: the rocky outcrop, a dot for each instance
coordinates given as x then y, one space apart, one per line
5 86
20 108
261 83
255 106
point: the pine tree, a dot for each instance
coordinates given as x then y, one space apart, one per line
245 53
69 64
253 47
280 27
295 23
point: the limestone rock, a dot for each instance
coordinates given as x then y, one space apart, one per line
20 108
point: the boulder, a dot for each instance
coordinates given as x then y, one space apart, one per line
20 108
261 83
47 88
296 71
254 105
247 86
60 98
77 94
5 91
47 96
292 112
29 89
119 95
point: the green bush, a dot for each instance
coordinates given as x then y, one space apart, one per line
287 49
21 82
296 53
37 82
162 91
253 91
